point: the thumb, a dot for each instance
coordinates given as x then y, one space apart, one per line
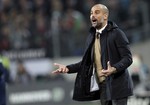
108 64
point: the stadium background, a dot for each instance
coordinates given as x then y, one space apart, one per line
36 33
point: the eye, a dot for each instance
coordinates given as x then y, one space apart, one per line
97 11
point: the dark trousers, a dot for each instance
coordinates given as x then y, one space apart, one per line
122 101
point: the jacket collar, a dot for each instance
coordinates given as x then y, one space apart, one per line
109 27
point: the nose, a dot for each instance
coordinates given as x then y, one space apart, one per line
92 16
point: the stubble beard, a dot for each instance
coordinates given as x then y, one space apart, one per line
98 25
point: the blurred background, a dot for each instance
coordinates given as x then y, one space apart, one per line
36 33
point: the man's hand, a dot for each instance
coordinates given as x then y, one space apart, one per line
110 70
61 68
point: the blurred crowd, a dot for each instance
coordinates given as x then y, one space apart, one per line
58 24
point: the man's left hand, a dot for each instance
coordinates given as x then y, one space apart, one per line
110 70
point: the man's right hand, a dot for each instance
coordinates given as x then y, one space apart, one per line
61 68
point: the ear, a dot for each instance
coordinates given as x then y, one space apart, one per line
105 16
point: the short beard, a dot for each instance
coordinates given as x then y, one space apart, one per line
99 26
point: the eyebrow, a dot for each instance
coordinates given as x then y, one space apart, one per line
95 11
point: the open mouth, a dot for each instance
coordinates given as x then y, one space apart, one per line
94 20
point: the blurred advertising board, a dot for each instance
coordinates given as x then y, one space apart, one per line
53 93
45 93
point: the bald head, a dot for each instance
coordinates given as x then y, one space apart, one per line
102 7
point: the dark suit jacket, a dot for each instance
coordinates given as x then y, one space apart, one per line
2 86
114 48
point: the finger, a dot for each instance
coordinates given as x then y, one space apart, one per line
101 74
108 64
60 69
106 75
56 71
64 70
57 64
104 71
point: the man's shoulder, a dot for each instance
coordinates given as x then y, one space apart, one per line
111 25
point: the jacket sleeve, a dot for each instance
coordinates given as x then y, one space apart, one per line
74 68
122 45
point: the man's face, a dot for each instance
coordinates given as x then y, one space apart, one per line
97 17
